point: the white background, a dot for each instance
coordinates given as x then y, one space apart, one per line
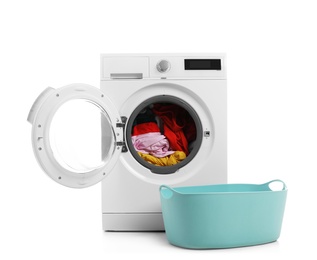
271 48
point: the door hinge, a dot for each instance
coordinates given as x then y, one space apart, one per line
122 143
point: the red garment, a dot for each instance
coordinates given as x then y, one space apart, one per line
176 121
145 128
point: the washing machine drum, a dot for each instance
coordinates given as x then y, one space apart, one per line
78 134
164 133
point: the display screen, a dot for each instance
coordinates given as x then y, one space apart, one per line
202 64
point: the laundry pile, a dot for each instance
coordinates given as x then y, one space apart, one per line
162 133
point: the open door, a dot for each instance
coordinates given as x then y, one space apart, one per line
76 133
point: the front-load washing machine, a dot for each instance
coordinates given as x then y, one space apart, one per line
156 119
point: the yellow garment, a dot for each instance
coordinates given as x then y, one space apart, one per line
172 159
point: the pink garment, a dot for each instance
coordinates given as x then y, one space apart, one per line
154 144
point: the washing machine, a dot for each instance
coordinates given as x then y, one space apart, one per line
156 119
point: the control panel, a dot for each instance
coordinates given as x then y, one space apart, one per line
163 66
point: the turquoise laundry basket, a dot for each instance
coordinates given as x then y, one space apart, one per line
224 215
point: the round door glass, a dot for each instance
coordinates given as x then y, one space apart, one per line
81 136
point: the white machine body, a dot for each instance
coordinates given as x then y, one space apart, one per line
130 83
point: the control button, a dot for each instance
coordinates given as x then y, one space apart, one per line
163 66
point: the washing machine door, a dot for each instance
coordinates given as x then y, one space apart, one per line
76 134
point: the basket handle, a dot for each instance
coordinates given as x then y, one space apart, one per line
166 195
267 184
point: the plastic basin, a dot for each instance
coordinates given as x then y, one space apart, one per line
224 215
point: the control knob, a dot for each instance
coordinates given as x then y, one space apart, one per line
163 66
